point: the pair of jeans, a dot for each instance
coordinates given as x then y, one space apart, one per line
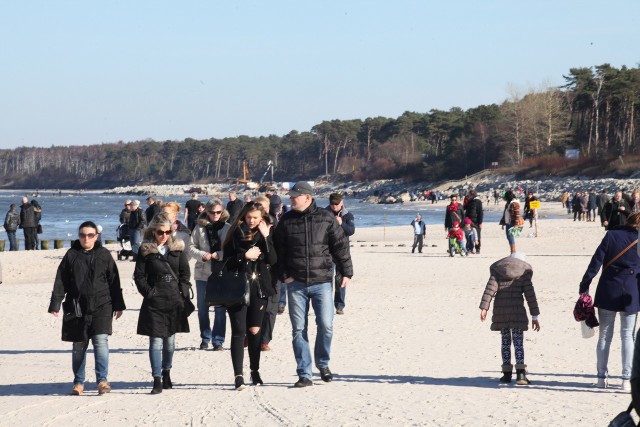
627 326
11 236
135 237
340 293
418 240
321 299
210 333
100 344
283 295
161 354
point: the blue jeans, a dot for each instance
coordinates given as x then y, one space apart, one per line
283 295
100 353
135 237
627 325
11 235
161 354
321 298
207 332
340 293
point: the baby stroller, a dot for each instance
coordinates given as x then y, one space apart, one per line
125 244
455 248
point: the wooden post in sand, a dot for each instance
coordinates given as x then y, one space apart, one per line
44 245
384 228
58 244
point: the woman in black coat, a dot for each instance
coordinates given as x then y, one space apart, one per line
248 248
162 277
617 292
88 281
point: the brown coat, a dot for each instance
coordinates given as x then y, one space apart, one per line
510 279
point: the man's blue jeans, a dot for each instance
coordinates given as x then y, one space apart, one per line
11 235
283 295
627 324
207 332
161 354
135 237
320 296
100 353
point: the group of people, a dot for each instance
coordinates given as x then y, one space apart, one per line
305 249
28 219
612 211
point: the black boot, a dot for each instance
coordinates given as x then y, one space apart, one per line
157 385
239 382
255 378
166 379
507 371
521 375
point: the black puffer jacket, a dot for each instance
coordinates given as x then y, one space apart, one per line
307 241
91 278
161 314
234 252
473 210
28 216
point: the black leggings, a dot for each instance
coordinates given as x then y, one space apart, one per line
242 318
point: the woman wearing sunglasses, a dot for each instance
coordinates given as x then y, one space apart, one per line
162 277
172 209
206 248
248 248
89 283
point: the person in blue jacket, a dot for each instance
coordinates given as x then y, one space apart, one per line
617 292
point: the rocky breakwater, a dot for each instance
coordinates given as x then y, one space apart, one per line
169 190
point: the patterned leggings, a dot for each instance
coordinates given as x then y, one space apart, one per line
518 340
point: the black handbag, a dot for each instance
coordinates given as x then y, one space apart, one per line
188 305
623 419
227 288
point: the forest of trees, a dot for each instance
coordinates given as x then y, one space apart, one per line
596 111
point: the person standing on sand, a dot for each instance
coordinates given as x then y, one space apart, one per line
234 206
137 223
191 212
615 212
307 240
617 292
29 224
601 201
347 222
511 279
453 212
592 205
125 213
88 282
11 224
419 232
473 210
511 220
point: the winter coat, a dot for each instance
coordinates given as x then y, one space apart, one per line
616 213
423 227
28 216
307 242
125 214
473 210
618 285
234 209
510 280
258 271
454 212
348 221
183 233
161 314
528 212
11 220
153 210
137 220
200 246
91 278
593 201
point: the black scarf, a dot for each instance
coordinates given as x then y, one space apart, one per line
212 229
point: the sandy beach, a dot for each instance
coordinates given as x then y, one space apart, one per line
410 349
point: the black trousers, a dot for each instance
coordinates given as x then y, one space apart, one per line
242 318
30 237
270 316
418 239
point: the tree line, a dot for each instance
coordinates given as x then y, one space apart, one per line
596 111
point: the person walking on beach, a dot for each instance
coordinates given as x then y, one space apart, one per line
125 213
87 285
473 210
181 231
615 212
601 202
347 222
206 248
162 278
419 232
617 292
511 220
29 224
453 212
248 248
191 211
137 223
11 224
152 210
234 206
307 240
37 211
511 279
592 205
530 213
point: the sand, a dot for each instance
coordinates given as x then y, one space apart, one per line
409 350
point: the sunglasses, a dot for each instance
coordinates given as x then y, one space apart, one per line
166 233
214 212
86 236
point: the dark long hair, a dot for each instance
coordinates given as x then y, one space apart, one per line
248 208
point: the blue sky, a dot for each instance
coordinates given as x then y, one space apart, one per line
88 72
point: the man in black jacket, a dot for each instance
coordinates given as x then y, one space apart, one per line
29 224
347 222
307 239
473 211
137 223
234 207
153 209
11 223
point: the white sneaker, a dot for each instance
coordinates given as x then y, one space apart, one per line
602 383
626 386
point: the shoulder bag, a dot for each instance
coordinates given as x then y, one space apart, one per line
623 419
188 305
615 258
227 288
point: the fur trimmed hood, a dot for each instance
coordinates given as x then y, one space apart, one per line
203 218
174 244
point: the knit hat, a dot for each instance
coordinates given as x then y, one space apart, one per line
456 224
467 220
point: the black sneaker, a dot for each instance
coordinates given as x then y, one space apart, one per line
239 382
303 382
326 375
255 378
204 345
217 347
